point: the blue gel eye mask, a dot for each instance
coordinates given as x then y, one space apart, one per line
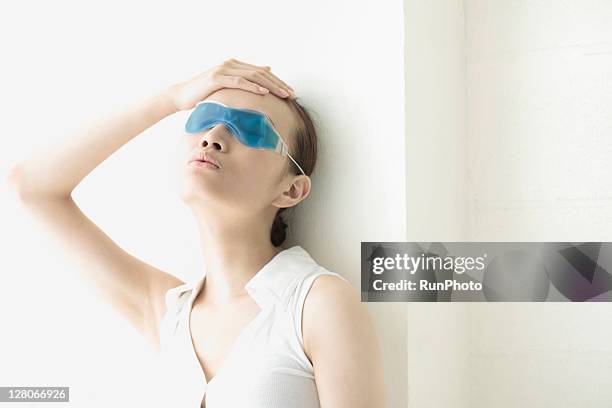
250 127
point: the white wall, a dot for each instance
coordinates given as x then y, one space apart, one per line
436 192
507 139
539 119
70 62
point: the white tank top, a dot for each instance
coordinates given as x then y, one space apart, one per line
266 366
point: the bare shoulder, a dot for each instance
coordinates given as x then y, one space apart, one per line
332 291
332 305
341 342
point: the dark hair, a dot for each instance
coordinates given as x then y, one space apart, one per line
303 152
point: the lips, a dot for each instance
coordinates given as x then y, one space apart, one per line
203 164
204 161
205 158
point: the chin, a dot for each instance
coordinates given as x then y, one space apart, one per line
195 191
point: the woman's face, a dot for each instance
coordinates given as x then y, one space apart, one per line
248 180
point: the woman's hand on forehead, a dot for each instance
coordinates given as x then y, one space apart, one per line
230 74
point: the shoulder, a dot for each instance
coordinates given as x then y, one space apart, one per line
332 306
331 290
338 329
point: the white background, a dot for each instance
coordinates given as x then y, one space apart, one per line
508 139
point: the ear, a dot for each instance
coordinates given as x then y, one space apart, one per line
295 192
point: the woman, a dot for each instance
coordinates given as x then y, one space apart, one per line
264 326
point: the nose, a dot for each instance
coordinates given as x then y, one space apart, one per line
214 137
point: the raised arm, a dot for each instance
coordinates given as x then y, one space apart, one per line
44 184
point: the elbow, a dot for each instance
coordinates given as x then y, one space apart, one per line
13 178
14 181
23 190
17 185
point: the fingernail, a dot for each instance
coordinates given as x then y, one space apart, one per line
262 89
283 92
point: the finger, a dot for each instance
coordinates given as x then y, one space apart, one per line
246 64
239 82
270 75
279 82
260 79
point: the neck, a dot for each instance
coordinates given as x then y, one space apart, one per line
233 251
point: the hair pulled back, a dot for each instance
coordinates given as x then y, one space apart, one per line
304 152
